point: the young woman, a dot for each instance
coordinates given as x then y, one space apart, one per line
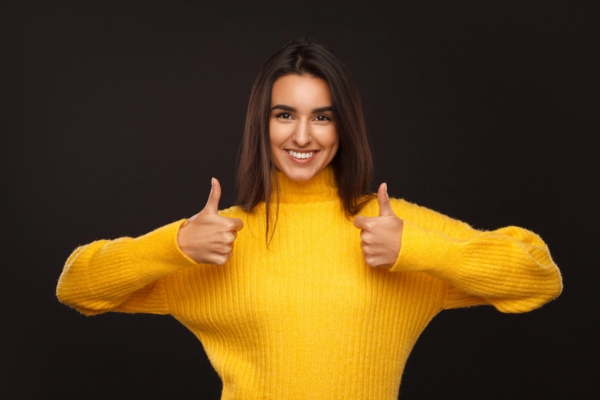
311 287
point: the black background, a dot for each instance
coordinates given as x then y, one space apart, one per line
116 114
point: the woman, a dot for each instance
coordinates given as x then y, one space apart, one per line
310 287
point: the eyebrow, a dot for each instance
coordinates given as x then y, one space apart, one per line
292 109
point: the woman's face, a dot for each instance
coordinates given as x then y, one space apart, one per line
301 126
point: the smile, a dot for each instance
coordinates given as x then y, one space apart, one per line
301 156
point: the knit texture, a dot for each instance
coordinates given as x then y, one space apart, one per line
305 317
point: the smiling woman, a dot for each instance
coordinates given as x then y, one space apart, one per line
330 305
330 86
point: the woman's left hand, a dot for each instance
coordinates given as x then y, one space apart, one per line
380 236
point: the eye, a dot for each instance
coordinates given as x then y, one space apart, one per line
283 115
322 117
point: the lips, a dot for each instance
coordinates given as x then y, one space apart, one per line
301 155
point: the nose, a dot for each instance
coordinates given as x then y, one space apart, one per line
302 134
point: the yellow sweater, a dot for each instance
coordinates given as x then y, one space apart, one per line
307 318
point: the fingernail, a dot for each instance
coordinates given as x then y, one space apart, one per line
212 182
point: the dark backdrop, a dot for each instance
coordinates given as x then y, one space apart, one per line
116 114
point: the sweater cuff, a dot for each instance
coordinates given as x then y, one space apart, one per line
160 248
425 251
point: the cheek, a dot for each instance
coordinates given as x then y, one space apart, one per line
335 139
278 134
271 132
273 137
335 144
275 141
330 139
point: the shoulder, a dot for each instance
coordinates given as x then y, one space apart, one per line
424 217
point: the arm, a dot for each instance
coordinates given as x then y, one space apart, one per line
126 274
509 268
123 274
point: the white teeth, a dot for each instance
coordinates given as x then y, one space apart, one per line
301 155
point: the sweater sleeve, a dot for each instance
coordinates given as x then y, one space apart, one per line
124 275
509 268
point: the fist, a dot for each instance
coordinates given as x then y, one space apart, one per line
380 236
207 237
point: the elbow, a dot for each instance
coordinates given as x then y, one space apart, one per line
70 298
62 294
552 288
531 301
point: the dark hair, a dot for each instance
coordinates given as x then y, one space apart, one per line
352 164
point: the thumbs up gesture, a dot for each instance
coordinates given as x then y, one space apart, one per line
380 236
207 237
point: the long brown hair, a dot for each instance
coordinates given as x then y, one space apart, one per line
352 164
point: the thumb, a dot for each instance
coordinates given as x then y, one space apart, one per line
212 205
385 208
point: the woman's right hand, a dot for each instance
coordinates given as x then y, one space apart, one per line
207 237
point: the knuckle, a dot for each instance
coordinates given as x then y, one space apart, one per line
233 224
223 258
367 237
215 259
225 248
375 261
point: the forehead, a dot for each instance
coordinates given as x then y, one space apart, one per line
301 90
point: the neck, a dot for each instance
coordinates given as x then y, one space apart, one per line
321 187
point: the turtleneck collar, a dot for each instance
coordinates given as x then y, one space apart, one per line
320 188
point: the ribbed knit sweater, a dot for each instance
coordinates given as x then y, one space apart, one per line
305 317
